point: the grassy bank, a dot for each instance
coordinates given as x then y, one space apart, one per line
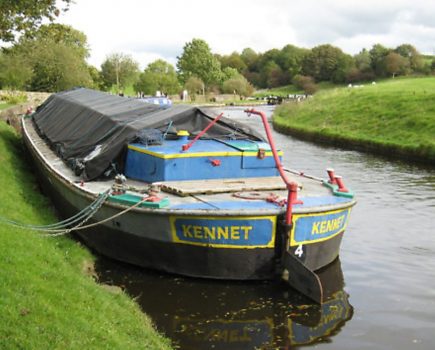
4 105
47 301
395 117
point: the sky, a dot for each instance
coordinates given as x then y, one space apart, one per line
150 30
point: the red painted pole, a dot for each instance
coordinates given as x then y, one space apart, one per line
213 122
292 187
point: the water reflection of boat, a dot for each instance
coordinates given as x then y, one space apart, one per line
198 314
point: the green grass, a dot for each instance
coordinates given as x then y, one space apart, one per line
128 90
284 91
46 299
4 105
395 116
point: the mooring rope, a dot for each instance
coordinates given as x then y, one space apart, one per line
81 215
80 227
61 228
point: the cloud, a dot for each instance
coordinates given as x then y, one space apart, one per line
151 30
358 24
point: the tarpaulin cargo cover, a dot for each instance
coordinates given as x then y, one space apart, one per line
91 128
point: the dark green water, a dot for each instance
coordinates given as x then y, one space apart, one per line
381 296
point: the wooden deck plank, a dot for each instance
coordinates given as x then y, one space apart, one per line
186 188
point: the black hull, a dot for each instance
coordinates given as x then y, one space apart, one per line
184 259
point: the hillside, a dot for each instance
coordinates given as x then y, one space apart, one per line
48 298
395 117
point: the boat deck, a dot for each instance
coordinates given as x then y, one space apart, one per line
186 188
243 194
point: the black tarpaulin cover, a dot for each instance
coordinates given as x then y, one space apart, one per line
92 128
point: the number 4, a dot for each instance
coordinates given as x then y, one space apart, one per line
299 250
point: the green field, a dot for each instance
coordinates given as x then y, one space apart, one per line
394 117
48 297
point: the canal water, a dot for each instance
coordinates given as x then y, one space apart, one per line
381 291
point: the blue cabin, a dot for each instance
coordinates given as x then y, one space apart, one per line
205 159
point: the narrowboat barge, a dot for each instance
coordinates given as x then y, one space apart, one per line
184 190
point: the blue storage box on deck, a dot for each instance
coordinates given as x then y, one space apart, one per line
206 159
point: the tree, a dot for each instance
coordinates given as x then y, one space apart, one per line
290 60
238 85
345 63
197 60
326 62
250 58
119 70
377 58
269 56
233 61
229 73
305 83
271 74
57 68
158 76
363 60
194 85
362 69
25 16
55 33
395 64
15 73
412 55
97 80
53 57
253 77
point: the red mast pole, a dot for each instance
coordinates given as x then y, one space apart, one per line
292 187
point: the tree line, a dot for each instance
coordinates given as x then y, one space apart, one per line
52 57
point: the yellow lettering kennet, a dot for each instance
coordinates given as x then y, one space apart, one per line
197 232
186 230
222 232
218 232
246 230
235 233
321 227
315 228
209 232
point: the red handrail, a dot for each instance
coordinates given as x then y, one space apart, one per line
292 187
